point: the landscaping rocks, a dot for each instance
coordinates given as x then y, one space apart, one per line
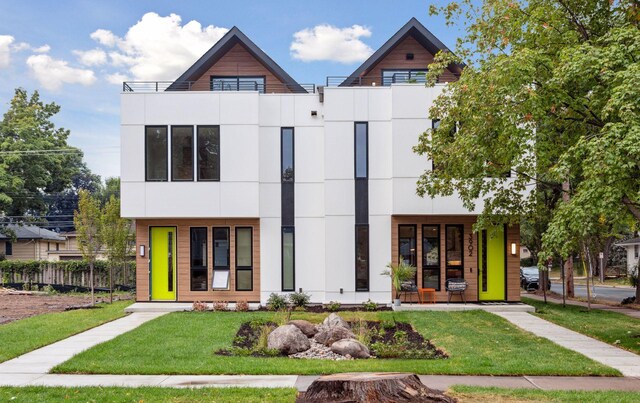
288 339
329 335
319 352
306 327
335 320
350 347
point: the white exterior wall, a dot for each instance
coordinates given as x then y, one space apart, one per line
324 174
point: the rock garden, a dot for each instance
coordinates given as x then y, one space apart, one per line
333 339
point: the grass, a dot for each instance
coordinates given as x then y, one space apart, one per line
485 394
28 334
477 342
609 327
147 394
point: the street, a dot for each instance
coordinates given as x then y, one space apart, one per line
608 293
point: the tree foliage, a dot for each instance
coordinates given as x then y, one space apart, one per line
89 228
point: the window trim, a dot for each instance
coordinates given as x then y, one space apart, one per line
206 259
446 265
368 258
196 161
173 171
243 268
293 232
238 77
146 156
432 267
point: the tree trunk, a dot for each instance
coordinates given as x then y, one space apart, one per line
371 387
111 283
93 297
566 189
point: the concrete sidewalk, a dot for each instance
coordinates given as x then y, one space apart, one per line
624 361
633 313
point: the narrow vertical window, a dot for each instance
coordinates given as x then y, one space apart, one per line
198 251
8 248
244 259
407 252
208 152
287 179
181 153
156 158
431 256
221 264
454 257
361 174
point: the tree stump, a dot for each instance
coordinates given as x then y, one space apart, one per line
371 387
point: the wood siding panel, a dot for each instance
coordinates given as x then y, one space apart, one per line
239 62
396 59
513 264
22 250
184 293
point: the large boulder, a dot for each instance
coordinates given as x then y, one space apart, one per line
350 347
306 327
335 320
288 339
329 335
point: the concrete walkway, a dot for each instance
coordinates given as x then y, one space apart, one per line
633 313
624 361
42 360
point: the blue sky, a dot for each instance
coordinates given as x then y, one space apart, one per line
44 44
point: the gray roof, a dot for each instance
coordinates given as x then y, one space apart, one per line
32 232
632 241
229 40
412 28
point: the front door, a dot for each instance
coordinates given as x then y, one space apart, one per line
163 263
491 265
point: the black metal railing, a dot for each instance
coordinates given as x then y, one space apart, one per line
367 81
162 86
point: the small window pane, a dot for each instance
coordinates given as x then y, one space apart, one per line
243 280
287 155
221 248
208 153
243 247
361 150
288 259
181 153
430 246
198 259
362 258
156 153
454 246
407 244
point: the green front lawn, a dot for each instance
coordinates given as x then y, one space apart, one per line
28 334
610 327
147 394
477 342
480 394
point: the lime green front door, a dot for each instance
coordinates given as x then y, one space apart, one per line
163 263
491 265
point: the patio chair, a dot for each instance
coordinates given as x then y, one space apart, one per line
409 287
456 286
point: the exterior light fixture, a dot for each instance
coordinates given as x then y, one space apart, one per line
514 250
341 291
314 113
141 250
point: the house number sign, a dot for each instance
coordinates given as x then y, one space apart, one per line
470 247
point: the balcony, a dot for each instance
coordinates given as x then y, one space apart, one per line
269 88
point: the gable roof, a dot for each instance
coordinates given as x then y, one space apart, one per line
412 28
629 242
28 232
220 48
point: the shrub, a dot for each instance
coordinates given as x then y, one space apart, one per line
199 306
333 306
220 306
299 299
369 305
387 324
276 302
49 289
26 287
528 262
242 306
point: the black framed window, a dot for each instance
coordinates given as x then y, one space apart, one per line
395 76
221 265
238 83
8 248
288 259
407 251
156 153
361 150
199 265
431 256
181 153
208 150
244 259
362 257
454 235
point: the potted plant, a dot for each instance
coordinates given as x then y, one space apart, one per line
399 273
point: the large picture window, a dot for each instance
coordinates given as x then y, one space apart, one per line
221 258
455 258
181 153
208 153
362 257
288 259
155 153
199 265
244 259
431 256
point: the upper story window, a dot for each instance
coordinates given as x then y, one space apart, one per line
156 155
182 153
395 76
238 83
208 153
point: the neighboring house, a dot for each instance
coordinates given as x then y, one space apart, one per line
525 253
244 182
633 251
30 243
70 251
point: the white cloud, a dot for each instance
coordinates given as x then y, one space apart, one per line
93 57
159 48
42 49
5 50
53 73
116 78
326 42
20 46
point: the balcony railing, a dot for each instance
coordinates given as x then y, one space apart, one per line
392 78
162 86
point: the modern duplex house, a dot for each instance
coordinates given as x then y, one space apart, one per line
244 182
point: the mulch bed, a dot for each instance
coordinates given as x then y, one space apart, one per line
322 309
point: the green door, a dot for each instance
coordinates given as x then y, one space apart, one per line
491 265
163 263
